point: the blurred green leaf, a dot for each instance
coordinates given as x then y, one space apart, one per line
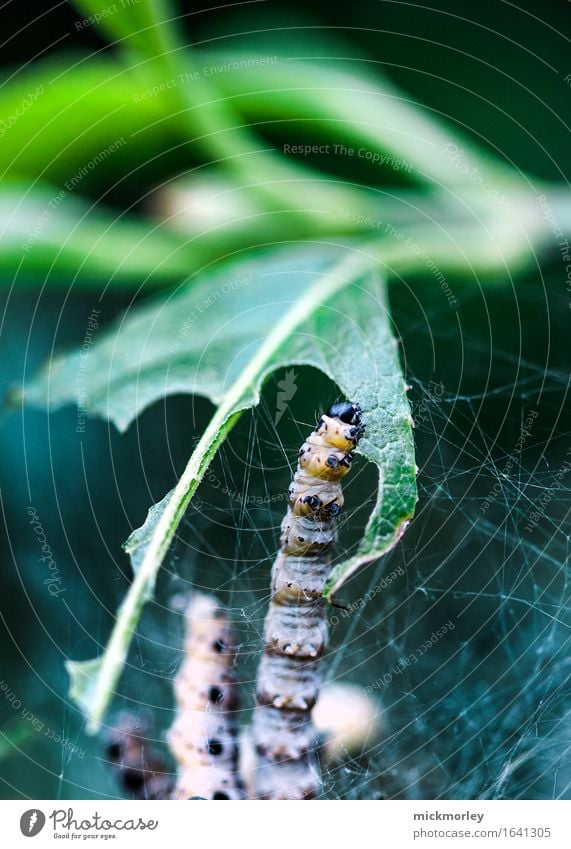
47 230
352 107
157 103
137 22
319 306
59 118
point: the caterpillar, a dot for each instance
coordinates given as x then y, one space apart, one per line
296 631
142 773
204 736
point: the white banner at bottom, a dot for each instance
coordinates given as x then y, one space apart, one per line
394 824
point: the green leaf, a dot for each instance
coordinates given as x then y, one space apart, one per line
84 677
136 21
138 541
80 120
47 230
383 124
318 306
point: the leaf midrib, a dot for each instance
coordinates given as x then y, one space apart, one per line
345 271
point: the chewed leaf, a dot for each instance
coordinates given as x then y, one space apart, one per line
83 682
220 338
138 541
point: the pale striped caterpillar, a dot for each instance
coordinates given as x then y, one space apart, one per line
204 736
296 631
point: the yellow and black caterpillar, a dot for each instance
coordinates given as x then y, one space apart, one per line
295 633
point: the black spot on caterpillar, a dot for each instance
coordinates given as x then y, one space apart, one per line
141 773
203 738
295 633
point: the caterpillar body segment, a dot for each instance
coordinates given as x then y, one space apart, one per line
204 736
346 720
296 631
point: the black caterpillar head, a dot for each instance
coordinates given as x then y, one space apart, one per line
346 411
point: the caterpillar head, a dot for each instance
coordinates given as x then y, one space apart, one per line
346 411
342 426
